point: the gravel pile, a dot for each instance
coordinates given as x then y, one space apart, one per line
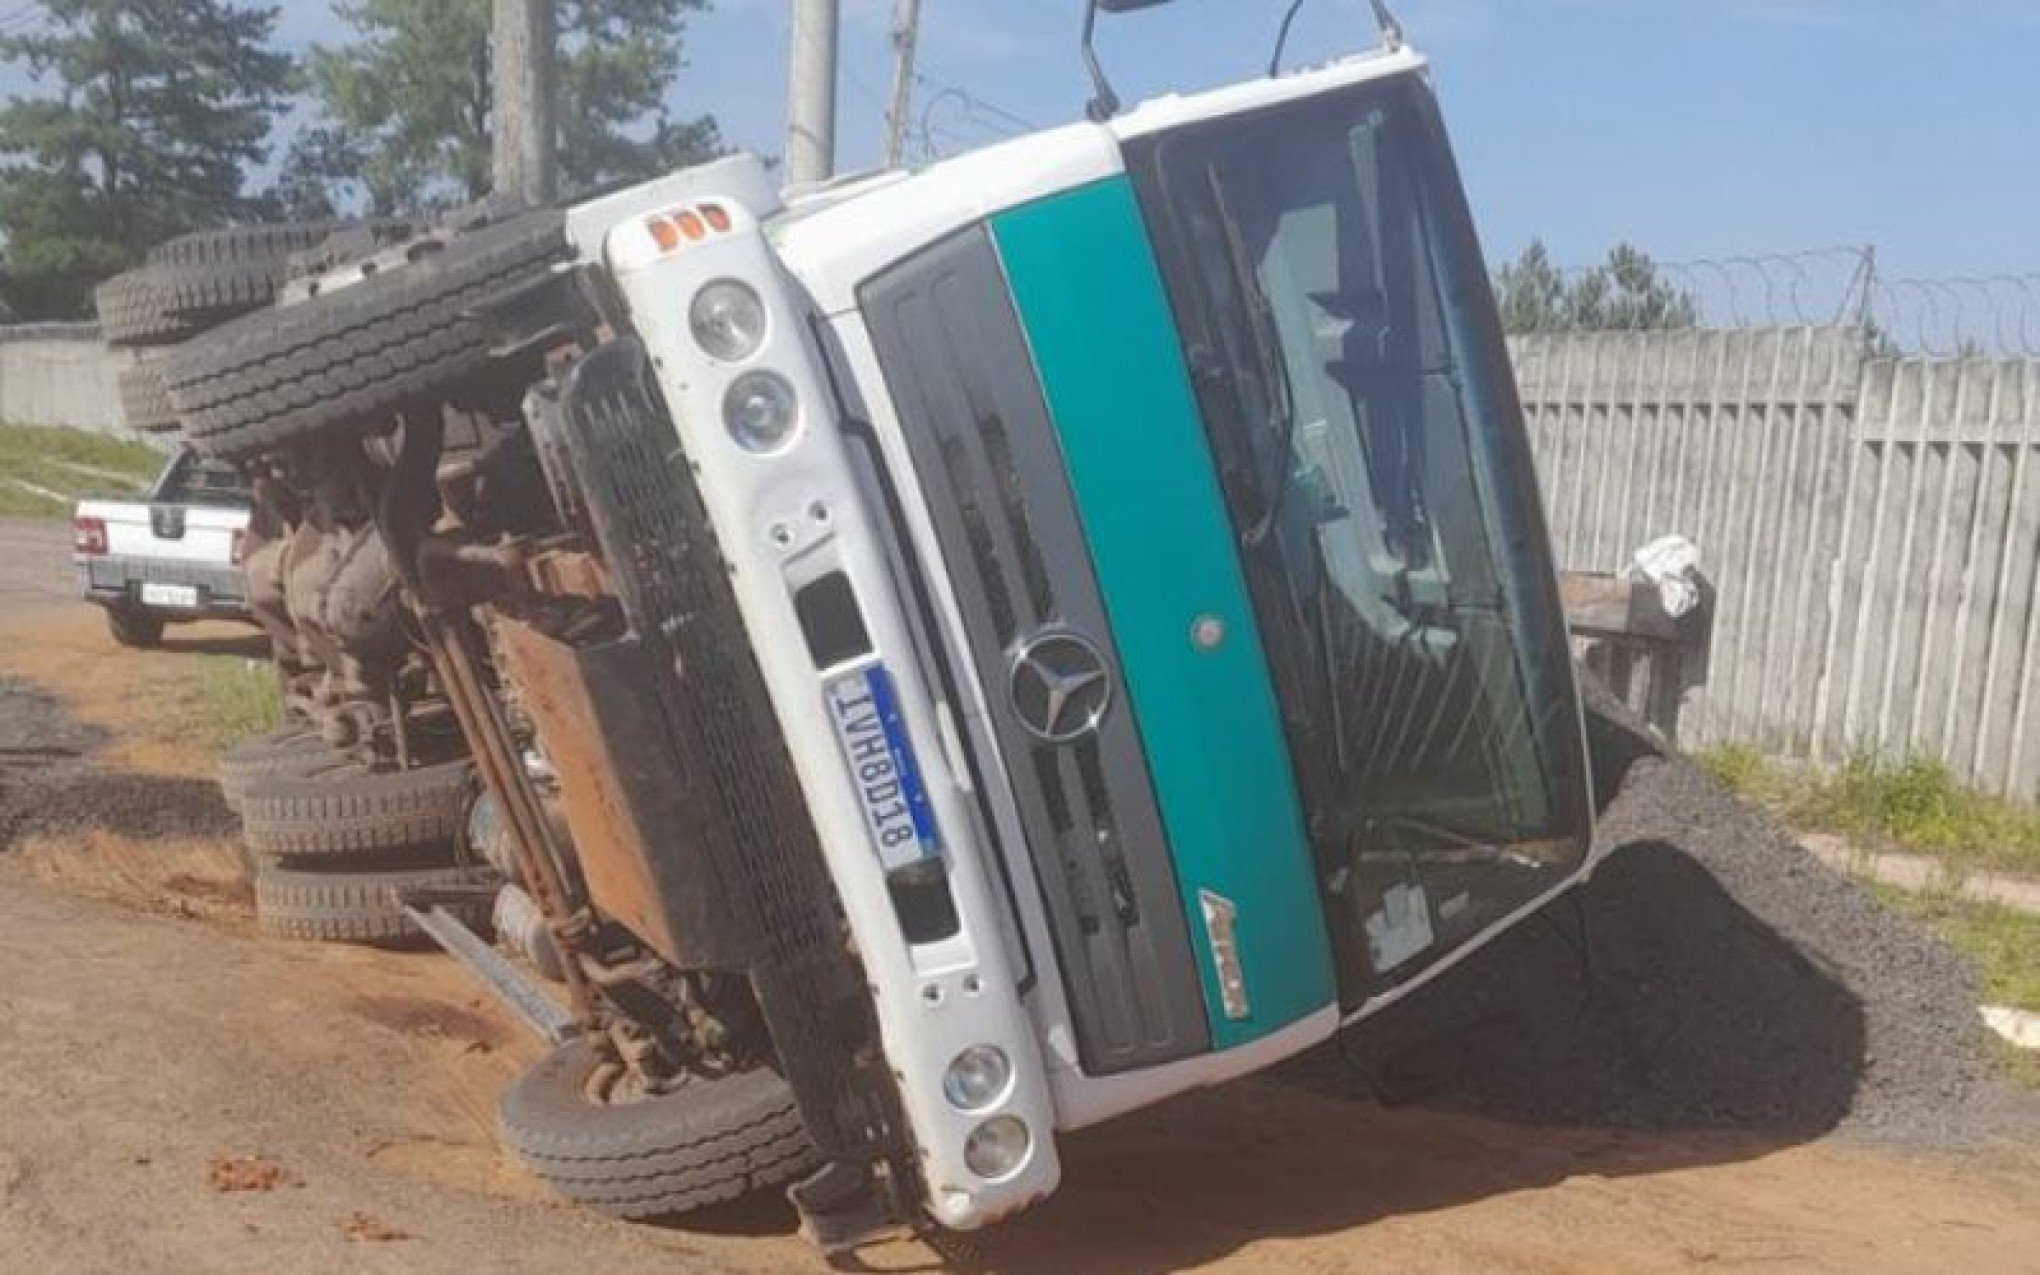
47 786
38 742
1739 984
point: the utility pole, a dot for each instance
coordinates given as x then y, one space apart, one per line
811 93
906 37
524 43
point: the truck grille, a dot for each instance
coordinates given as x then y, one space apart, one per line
985 452
725 746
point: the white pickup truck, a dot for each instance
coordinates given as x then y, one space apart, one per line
174 554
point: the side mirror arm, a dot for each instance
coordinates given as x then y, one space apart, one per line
1104 102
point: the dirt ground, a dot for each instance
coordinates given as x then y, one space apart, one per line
179 1094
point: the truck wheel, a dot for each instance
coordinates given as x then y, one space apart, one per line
337 809
133 626
352 241
349 360
207 278
287 751
710 1140
131 312
145 399
362 907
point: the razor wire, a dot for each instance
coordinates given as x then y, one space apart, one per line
1994 316
954 120
1630 290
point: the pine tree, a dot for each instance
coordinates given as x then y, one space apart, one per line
406 106
144 118
1626 293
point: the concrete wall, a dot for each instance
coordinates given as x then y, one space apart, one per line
61 374
1872 525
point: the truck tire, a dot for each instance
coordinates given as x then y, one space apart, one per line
349 242
360 907
133 626
338 810
145 399
131 312
286 751
209 277
349 360
713 1139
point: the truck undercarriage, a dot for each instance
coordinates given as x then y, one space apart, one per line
484 559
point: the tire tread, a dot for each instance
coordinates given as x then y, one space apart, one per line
351 358
345 907
316 815
738 1135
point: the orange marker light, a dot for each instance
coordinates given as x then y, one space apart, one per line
690 225
663 233
718 217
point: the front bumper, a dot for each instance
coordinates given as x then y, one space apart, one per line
784 524
118 581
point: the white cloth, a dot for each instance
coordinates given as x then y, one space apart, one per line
1671 563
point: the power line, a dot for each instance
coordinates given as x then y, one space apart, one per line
1018 121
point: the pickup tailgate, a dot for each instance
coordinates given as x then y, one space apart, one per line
168 532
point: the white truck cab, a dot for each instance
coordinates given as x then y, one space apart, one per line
1134 529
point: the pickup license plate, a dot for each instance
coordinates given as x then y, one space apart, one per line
865 710
180 597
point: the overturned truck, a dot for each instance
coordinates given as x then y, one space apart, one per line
949 657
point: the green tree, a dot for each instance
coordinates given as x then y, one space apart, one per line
144 117
1626 293
405 107
1531 292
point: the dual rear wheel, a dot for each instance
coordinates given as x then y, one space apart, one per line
335 847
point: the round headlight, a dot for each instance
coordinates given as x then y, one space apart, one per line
728 320
762 411
978 1078
997 1148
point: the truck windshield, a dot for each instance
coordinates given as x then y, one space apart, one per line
1336 319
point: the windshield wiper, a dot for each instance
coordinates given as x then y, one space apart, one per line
1273 371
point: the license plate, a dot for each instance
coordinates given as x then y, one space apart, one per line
182 597
865 710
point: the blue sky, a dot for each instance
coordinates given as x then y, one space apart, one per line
1695 128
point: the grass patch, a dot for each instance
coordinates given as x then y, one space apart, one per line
227 698
16 502
1738 767
2023 1065
2003 944
72 462
1917 806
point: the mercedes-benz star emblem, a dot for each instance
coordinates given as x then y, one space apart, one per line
1060 688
